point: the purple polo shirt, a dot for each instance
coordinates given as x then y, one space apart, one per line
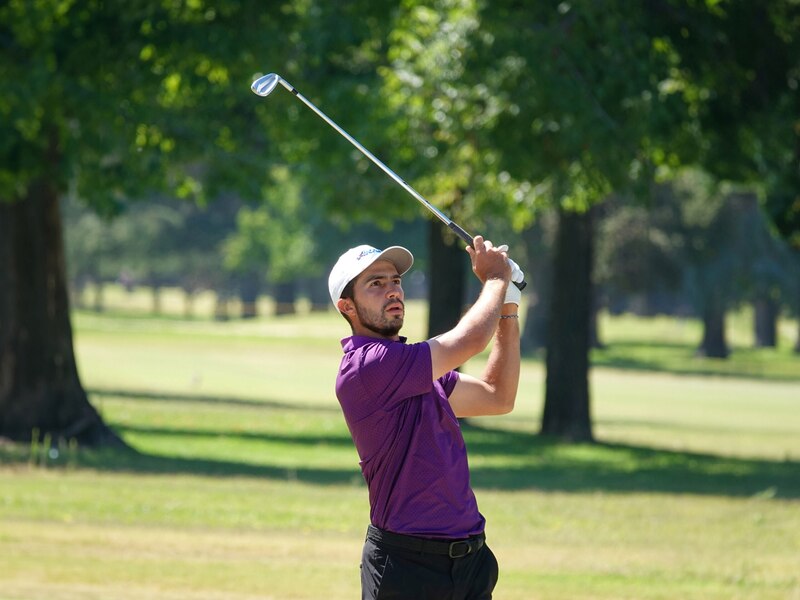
409 442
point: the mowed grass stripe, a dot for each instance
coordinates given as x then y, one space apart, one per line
246 485
89 561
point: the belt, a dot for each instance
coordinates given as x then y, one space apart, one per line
454 549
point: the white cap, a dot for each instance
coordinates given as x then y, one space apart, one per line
353 262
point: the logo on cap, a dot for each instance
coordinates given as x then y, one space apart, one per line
367 252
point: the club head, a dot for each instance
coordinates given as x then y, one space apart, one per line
264 85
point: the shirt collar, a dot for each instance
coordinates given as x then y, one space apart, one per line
357 341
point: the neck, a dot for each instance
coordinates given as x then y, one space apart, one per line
366 332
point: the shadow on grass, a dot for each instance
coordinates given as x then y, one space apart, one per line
681 359
199 398
309 439
500 459
542 463
132 461
153 464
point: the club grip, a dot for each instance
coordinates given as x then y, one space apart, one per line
460 232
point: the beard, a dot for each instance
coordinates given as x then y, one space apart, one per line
379 322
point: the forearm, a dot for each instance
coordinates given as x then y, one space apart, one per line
479 323
472 333
502 369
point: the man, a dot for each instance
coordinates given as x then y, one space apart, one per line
401 403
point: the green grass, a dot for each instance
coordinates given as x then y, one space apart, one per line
669 344
245 483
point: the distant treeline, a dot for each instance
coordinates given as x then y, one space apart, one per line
692 249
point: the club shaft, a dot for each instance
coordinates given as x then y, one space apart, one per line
443 217
454 227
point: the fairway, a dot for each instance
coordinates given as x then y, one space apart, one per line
180 226
246 484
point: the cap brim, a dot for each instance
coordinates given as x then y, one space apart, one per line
401 258
342 274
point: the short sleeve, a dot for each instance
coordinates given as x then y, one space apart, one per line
448 382
394 372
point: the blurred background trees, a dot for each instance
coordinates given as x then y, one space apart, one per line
636 157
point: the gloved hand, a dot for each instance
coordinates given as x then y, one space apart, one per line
513 294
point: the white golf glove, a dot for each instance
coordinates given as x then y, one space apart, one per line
513 294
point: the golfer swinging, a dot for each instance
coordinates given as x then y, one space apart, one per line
401 403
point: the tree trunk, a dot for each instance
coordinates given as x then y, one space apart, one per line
221 307
189 297
156 297
538 272
765 322
447 274
595 297
285 296
40 390
98 304
714 344
534 335
594 328
318 296
249 290
566 407
797 341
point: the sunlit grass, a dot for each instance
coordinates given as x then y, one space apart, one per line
246 485
670 345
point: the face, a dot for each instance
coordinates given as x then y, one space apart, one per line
377 306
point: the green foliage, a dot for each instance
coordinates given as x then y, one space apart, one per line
91 247
159 242
490 108
114 101
443 100
695 236
276 238
638 249
336 51
596 103
743 57
291 231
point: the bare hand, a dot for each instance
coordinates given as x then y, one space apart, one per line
488 262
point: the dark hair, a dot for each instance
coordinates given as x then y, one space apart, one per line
349 289
348 293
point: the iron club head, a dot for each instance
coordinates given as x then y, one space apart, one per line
264 85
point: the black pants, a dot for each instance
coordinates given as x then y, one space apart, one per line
390 572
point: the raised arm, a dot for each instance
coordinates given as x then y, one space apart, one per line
476 328
495 392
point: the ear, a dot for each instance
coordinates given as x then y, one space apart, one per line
346 306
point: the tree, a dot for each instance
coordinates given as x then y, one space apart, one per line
90 250
276 240
538 241
590 110
744 60
709 220
153 243
767 274
109 101
437 88
639 258
697 244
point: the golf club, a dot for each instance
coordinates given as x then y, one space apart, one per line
263 86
